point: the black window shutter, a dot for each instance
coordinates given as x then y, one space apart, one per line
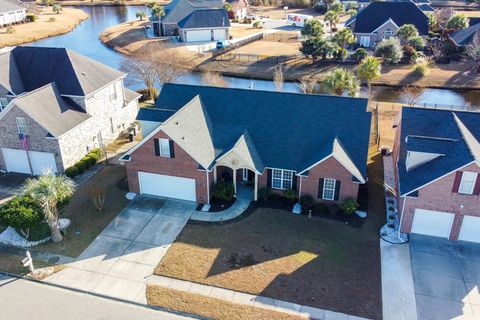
320 188
337 190
269 178
172 150
294 181
157 147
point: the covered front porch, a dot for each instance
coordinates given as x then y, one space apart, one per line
244 180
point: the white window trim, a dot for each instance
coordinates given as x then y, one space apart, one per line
282 179
19 125
325 184
165 150
462 189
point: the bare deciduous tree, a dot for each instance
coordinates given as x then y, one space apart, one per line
473 52
307 85
153 63
411 94
278 78
212 78
443 15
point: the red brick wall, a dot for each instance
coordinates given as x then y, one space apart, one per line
333 169
182 165
438 196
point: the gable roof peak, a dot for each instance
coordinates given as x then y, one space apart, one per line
339 153
472 143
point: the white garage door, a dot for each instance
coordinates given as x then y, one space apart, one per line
470 230
199 35
167 186
16 160
219 35
432 223
42 162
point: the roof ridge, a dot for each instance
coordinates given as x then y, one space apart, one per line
27 93
431 138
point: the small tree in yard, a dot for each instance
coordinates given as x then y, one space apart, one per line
57 7
344 37
411 94
214 79
368 70
313 28
432 21
337 6
351 12
22 214
307 85
340 80
278 78
390 50
443 15
457 21
157 10
332 17
360 54
407 31
48 191
349 205
140 15
473 52
416 42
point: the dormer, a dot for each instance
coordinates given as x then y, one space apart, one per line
421 150
416 159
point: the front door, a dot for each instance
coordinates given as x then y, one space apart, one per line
244 175
365 42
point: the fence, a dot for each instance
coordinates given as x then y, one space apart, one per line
236 44
254 58
282 36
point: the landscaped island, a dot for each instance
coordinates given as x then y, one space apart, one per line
47 24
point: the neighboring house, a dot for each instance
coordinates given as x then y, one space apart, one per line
239 9
30 5
464 37
437 154
57 105
194 20
11 12
316 145
381 20
425 7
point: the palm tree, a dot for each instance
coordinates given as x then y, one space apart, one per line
158 11
332 18
140 15
368 70
344 37
57 7
339 80
48 191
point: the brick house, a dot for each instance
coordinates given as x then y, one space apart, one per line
316 145
55 106
436 156
382 19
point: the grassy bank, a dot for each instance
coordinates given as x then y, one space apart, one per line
48 24
110 2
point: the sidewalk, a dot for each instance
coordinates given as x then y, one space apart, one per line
249 299
398 294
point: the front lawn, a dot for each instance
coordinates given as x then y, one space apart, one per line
272 252
87 221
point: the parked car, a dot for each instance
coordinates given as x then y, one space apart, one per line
252 17
223 44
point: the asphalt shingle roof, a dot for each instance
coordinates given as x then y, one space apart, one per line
154 114
289 130
453 134
205 18
35 67
465 36
179 9
426 7
401 12
10 5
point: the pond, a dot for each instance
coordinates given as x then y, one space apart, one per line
85 40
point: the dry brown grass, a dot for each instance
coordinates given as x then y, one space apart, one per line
270 48
87 222
12 264
243 31
209 307
127 37
64 22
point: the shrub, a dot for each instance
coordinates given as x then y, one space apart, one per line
320 7
421 69
52 19
95 154
98 198
223 190
320 208
30 17
333 209
390 50
306 201
408 52
10 30
71 172
417 42
264 193
146 94
21 213
360 54
258 24
349 205
297 3
81 166
290 194
89 161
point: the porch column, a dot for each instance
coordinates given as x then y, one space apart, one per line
235 181
214 174
255 188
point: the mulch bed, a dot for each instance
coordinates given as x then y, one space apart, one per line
217 204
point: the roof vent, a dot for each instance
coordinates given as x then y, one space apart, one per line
84 74
176 122
184 139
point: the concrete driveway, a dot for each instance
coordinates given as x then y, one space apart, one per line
446 278
120 260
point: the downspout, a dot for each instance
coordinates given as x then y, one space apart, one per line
401 217
300 188
208 188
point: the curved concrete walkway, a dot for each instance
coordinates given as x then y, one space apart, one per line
244 197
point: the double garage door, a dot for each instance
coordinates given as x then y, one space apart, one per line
205 35
439 224
16 160
167 186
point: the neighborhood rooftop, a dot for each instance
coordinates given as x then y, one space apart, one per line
450 137
28 68
281 130
205 18
10 5
465 36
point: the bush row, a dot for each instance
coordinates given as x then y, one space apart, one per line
86 162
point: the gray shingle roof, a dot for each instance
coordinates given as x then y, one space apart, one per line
73 73
10 5
179 9
453 134
54 113
154 114
401 12
205 18
289 131
426 7
131 95
465 36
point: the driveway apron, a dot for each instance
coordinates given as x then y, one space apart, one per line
120 260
